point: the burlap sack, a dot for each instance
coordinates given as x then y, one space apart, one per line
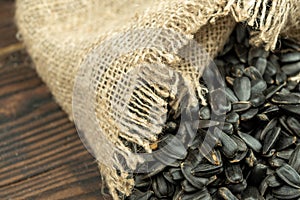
62 35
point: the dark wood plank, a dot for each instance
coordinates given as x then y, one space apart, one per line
41 155
8 28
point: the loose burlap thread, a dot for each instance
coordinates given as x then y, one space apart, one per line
61 34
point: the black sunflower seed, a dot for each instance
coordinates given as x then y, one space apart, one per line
285 154
257 99
291 98
270 139
230 95
242 52
253 73
255 52
252 193
198 182
234 173
269 92
242 88
237 187
229 147
187 187
289 175
233 118
294 125
258 173
258 86
291 69
291 108
241 106
286 192
204 113
138 195
226 194
276 162
294 160
206 170
250 141
267 128
290 57
249 114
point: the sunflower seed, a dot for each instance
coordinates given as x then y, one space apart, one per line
267 128
197 182
258 173
294 125
249 114
233 118
219 103
242 88
187 187
291 108
291 69
226 194
276 162
280 78
167 175
173 147
251 193
289 175
206 170
269 181
176 174
260 64
291 98
269 92
228 128
241 106
290 57
286 192
250 141
141 181
204 113
229 147
253 73
271 70
161 187
284 142
285 154
242 52
234 173
273 181
257 99
258 86
230 95
270 139
294 160
241 33
238 187
255 52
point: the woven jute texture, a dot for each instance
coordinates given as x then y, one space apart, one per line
64 35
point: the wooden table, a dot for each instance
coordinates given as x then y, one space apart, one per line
41 155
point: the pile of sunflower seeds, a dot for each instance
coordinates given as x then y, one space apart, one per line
256 151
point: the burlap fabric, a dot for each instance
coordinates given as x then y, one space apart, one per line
61 34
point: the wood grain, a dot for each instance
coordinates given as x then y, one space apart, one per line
41 155
8 28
